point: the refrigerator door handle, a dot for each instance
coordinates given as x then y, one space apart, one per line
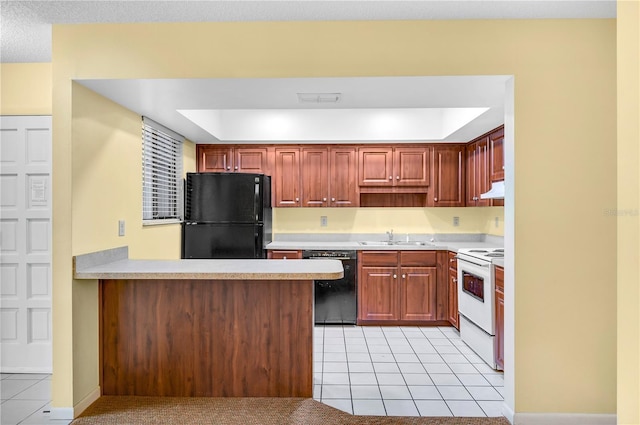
256 200
258 246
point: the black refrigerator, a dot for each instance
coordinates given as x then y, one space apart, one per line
226 215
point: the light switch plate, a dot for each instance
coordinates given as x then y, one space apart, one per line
456 221
120 227
323 221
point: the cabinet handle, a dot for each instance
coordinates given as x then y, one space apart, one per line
333 199
297 199
404 275
228 167
395 276
435 199
324 199
390 177
235 168
455 280
284 257
397 177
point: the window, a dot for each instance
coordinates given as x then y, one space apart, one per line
161 174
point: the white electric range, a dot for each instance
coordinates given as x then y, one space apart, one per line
476 300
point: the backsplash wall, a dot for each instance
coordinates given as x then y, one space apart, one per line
380 220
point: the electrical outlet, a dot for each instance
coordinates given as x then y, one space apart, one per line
497 222
323 221
120 227
456 221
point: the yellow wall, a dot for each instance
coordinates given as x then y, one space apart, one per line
565 102
25 89
380 220
628 206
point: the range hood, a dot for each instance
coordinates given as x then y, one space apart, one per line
496 192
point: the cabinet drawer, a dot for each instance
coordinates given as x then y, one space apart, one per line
379 258
284 255
452 260
417 258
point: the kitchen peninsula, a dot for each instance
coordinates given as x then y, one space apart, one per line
205 328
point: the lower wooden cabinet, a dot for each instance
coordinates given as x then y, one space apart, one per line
452 284
396 286
284 255
499 339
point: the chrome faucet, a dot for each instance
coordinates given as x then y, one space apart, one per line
390 235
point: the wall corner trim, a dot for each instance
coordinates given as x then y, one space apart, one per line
74 412
564 419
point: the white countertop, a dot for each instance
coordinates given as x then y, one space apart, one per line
352 245
115 264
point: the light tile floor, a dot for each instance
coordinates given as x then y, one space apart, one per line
403 371
24 399
393 371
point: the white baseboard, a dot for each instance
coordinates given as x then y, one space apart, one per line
62 413
564 419
508 413
73 412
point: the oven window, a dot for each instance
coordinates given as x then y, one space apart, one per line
473 285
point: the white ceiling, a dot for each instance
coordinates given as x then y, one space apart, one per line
372 109
267 110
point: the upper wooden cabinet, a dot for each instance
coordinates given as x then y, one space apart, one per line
329 177
394 166
478 173
496 151
286 179
448 176
240 159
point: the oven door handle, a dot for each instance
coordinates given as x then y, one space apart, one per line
471 262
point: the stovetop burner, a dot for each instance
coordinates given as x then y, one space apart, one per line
486 254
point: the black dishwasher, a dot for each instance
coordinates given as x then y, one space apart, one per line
335 300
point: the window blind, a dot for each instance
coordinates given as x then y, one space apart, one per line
161 173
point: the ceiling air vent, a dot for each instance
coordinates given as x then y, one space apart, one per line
319 97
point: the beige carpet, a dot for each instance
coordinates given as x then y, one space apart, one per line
122 410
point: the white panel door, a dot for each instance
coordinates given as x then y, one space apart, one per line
25 244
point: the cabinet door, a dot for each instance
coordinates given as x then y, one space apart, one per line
496 149
411 166
499 339
315 178
343 178
471 177
378 293
483 172
215 159
375 166
287 177
284 255
478 173
449 176
251 160
453 298
418 293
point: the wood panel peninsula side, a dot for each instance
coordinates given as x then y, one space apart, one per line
205 328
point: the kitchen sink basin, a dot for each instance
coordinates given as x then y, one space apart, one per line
395 243
412 243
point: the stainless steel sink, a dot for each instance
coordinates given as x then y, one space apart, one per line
395 243
412 243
